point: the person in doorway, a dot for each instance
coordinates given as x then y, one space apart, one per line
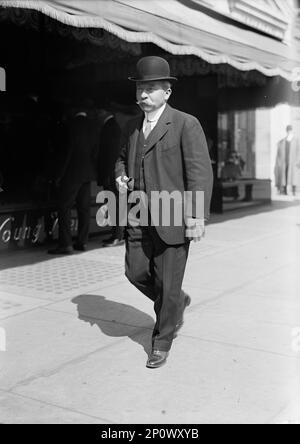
163 150
287 167
110 134
74 177
232 171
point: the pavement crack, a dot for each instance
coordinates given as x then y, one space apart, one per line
50 404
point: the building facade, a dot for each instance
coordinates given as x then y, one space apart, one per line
237 62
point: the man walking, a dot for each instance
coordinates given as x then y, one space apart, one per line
164 150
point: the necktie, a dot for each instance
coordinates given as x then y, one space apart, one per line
148 129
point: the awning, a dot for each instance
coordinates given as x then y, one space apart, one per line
177 29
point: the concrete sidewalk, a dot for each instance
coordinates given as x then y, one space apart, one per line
78 334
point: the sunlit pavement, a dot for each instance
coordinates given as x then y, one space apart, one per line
77 334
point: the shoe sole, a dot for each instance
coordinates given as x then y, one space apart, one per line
153 367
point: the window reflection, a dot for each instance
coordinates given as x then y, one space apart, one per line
236 149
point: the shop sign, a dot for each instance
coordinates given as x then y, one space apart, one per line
25 229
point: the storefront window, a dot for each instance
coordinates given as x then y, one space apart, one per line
236 149
27 156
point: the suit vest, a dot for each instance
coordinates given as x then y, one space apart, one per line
139 177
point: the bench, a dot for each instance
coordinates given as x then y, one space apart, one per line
247 183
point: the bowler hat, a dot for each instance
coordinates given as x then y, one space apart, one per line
149 69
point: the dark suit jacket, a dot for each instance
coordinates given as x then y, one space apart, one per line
109 151
81 148
177 158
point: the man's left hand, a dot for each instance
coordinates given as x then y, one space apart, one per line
195 229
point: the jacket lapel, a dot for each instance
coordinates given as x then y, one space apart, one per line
161 128
133 146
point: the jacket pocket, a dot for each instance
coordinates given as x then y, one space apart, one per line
166 147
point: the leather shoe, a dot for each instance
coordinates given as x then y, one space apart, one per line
113 242
187 302
61 250
157 359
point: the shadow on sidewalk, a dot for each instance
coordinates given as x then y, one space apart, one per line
115 319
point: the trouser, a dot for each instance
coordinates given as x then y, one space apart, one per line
70 194
285 190
157 270
117 232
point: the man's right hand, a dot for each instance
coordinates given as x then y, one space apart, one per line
121 182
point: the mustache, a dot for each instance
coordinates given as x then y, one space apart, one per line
141 102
